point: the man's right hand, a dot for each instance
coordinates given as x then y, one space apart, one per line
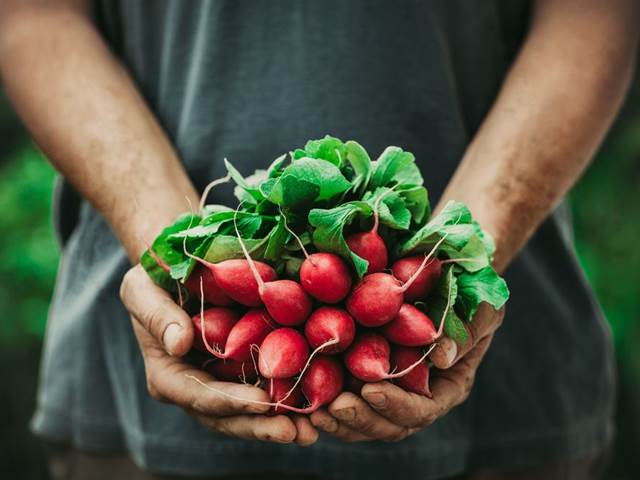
165 333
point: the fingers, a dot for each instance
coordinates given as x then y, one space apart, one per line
353 412
327 423
450 388
399 406
306 434
278 429
485 322
172 380
155 310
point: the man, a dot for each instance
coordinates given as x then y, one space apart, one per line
503 103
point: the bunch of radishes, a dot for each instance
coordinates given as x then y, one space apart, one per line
306 326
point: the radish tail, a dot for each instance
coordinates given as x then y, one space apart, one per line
328 343
298 239
402 373
208 188
211 350
252 265
422 266
376 207
309 409
444 314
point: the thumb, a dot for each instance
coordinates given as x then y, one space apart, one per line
156 311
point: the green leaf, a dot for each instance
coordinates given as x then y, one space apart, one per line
214 222
416 198
275 169
474 254
454 221
328 148
245 191
441 304
359 160
395 166
226 247
482 286
328 235
166 252
392 210
307 180
277 240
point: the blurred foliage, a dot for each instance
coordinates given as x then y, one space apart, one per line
606 222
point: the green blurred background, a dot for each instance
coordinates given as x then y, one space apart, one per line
605 205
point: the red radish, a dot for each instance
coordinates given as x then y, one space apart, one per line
213 294
410 327
285 300
279 393
370 245
404 268
377 299
218 322
321 384
250 330
237 278
283 354
232 371
324 276
368 359
330 323
417 379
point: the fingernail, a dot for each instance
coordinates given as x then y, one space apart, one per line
346 413
171 337
449 350
376 399
452 352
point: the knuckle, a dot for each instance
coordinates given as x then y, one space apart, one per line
153 320
125 285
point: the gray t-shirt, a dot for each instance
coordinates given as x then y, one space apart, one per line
249 80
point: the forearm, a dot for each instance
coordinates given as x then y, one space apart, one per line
554 108
84 111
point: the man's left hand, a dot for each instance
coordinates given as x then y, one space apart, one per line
387 412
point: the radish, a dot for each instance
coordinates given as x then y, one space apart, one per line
232 371
218 322
324 276
250 330
377 299
213 294
283 354
279 393
417 379
370 245
368 359
410 327
404 268
321 385
330 323
285 300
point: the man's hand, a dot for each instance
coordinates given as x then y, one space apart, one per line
165 333
389 413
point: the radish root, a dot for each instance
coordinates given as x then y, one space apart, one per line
208 188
